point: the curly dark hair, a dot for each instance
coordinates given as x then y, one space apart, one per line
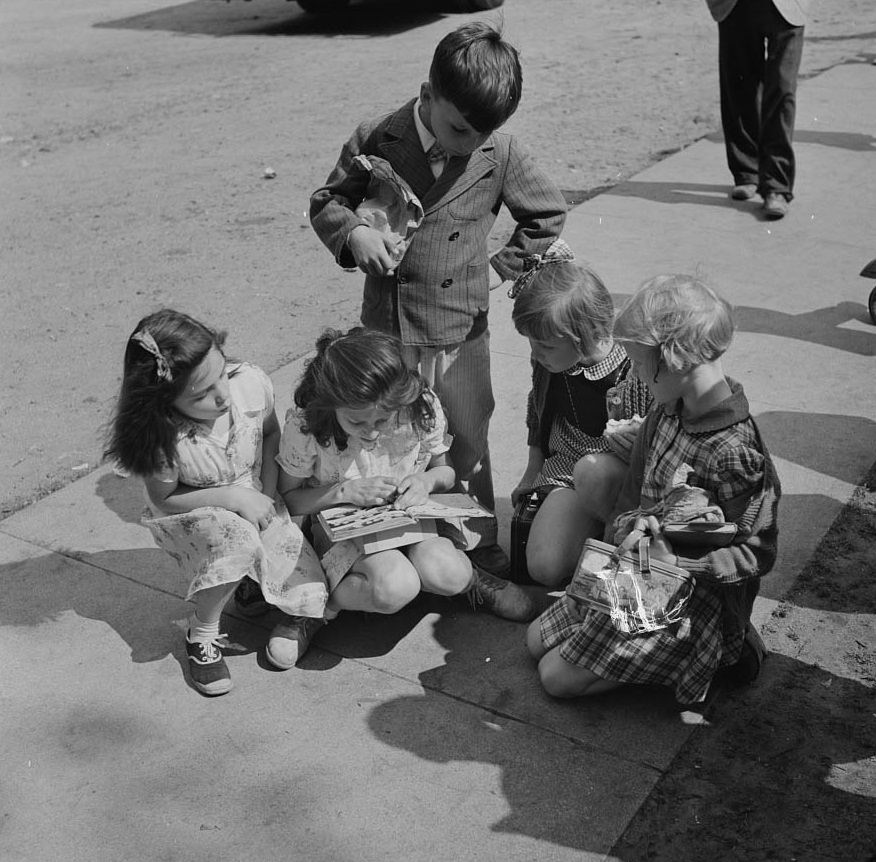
143 433
358 369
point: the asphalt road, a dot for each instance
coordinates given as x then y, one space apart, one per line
134 139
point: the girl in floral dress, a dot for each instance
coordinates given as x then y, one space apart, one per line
367 430
202 433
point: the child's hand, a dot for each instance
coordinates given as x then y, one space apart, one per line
660 549
373 251
413 490
369 491
255 507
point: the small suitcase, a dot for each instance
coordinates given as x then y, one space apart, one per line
524 514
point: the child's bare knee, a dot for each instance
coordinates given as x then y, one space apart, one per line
394 590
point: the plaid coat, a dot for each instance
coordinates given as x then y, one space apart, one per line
439 293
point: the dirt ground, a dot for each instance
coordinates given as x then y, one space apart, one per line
778 772
134 138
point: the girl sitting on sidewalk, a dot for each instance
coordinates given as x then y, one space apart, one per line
365 430
581 379
675 330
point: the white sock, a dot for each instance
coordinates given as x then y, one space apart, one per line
201 631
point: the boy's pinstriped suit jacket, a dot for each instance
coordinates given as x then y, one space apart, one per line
439 294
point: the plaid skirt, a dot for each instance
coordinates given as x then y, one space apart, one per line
684 656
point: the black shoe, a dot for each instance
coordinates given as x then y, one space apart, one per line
250 600
747 669
207 668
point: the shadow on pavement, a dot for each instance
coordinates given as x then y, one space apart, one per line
749 781
282 18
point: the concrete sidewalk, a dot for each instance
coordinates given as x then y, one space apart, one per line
425 736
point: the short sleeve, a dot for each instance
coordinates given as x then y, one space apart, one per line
254 392
298 453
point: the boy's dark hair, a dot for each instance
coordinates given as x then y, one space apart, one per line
143 433
479 73
358 369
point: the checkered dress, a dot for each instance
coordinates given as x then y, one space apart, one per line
729 463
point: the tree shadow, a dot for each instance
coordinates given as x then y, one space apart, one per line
147 611
705 194
819 441
569 769
786 759
283 18
820 326
854 141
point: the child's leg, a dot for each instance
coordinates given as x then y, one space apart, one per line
557 535
534 641
442 568
561 679
204 623
382 583
598 479
207 668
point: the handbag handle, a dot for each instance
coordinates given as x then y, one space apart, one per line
635 537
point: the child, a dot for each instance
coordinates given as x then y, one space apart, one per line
366 430
203 434
445 146
675 329
760 44
566 313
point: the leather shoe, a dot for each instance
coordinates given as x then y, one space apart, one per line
775 205
743 192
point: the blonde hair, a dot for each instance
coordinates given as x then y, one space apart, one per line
565 300
681 316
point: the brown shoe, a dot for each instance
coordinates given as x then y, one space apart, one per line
502 598
743 191
775 205
290 639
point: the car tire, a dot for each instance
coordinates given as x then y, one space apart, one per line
322 7
476 5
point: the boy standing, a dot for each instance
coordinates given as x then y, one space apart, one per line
444 144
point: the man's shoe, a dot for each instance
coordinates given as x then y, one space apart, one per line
290 639
775 205
492 559
249 600
207 668
502 598
743 191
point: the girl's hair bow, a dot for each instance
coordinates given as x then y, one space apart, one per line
150 345
557 252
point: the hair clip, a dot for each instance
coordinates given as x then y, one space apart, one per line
558 252
147 342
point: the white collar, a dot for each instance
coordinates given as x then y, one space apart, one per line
427 139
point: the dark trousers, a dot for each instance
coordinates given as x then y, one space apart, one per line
758 60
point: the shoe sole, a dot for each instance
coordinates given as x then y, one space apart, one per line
214 689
